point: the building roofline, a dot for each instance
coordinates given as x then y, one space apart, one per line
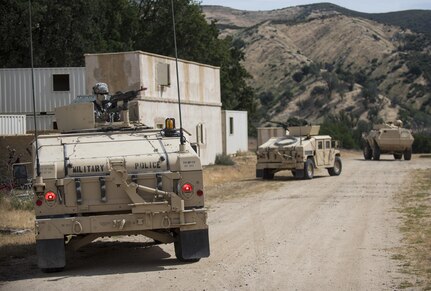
153 55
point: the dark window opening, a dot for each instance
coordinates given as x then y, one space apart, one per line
60 82
230 125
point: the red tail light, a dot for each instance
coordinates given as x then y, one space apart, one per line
50 196
200 192
187 188
39 202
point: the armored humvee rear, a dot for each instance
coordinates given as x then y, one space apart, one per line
389 138
302 151
116 178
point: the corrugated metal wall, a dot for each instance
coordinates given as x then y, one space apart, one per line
16 95
12 125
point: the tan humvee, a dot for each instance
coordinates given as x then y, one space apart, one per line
389 138
102 178
302 151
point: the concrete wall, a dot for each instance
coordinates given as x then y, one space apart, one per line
235 131
199 91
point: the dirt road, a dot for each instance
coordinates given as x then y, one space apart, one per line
329 233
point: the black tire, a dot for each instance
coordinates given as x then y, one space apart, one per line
268 174
368 153
376 153
309 169
338 166
408 154
51 256
398 156
179 255
298 174
191 246
52 270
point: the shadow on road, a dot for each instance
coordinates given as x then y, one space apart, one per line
98 258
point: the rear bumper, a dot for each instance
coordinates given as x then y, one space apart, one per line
54 228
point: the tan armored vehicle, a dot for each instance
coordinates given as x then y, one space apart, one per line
302 151
389 138
104 178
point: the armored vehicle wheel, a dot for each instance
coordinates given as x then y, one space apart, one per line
368 153
408 154
309 169
268 174
191 246
398 156
50 255
376 153
338 166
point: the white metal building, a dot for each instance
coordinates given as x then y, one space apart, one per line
199 91
53 87
234 131
12 125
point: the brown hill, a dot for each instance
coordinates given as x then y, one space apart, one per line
311 61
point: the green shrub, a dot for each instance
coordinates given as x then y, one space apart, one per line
223 159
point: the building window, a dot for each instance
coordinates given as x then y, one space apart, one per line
230 125
60 82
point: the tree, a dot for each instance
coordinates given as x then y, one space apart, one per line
63 31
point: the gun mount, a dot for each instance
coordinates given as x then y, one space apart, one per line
99 111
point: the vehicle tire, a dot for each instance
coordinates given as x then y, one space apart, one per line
376 153
368 153
52 270
398 156
338 166
268 174
51 256
309 169
408 154
191 246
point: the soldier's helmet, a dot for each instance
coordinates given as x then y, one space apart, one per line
100 88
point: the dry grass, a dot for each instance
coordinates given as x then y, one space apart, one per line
229 182
244 168
415 254
15 245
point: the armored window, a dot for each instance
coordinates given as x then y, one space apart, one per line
328 144
230 125
60 82
320 145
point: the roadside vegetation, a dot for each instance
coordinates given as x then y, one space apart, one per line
16 226
415 254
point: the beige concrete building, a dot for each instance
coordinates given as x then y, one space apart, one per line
199 90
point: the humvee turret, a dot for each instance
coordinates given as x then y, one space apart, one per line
105 175
301 151
388 138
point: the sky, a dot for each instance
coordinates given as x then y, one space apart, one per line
369 6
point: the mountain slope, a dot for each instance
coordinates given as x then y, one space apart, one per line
314 60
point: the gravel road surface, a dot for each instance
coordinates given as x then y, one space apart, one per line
329 233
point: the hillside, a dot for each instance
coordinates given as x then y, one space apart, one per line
314 60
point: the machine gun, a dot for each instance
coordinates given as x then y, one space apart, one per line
120 101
